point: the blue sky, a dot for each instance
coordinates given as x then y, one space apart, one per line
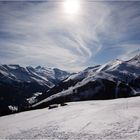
43 33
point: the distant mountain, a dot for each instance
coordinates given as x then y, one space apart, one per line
40 75
19 85
112 80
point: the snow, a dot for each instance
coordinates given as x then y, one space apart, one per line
121 69
110 119
13 108
33 99
109 66
83 74
45 72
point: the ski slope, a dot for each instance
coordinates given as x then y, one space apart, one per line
108 119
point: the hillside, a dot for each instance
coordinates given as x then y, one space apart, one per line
116 79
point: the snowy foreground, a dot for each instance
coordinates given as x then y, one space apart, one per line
110 119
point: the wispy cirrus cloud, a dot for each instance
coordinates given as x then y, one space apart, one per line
41 33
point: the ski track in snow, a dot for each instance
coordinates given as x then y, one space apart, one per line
88 120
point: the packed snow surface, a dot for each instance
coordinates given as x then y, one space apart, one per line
109 119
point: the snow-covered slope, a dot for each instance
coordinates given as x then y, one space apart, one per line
111 119
83 74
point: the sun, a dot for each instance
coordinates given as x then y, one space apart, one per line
72 7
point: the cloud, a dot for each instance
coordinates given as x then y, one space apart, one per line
41 33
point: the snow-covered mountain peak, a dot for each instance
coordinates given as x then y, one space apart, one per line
137 57
10 66
135 60
38 67
110 65
83 74
61 74
91 68
39 74
42 68
13 66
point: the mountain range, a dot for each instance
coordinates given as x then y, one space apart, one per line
20 85
30 88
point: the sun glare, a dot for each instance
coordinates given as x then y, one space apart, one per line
72 6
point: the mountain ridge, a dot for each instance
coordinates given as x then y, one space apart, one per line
30 88
112 80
